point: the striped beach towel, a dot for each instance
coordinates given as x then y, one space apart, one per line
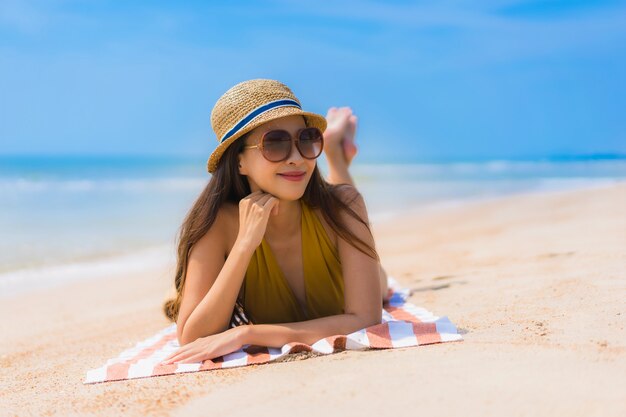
403 325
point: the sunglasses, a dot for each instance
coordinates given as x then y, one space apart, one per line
276 144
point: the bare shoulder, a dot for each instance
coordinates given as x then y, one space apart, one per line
230 212
350 196
220 234
346 192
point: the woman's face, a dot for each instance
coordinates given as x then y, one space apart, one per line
269 176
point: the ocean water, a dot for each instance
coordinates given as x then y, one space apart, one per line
65 218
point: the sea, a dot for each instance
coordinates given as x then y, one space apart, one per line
66 218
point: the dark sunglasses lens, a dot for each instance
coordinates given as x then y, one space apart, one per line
311 142
276 145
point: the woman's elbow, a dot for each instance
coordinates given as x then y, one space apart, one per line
374 319
183 335
182 341
186 338
369 319
180 336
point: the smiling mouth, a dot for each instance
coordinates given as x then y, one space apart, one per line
293 176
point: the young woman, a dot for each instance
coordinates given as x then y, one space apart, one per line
271 253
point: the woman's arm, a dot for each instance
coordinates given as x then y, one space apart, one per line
212 313
212 283
309 332
271 335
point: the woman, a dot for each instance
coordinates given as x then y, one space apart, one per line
270 253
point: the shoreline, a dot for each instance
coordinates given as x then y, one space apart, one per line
460 203
23 280
534 282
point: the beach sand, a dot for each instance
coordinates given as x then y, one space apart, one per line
535 283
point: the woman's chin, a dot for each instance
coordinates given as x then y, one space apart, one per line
285 191
289 196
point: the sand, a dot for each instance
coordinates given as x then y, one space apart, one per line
536 284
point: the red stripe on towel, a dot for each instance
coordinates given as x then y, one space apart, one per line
212 364
117 371
120 370
399 313
379 336
164 369
257 354
426 333
299 347
338 342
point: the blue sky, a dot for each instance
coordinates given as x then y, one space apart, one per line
428 79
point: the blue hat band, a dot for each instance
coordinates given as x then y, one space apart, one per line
259 110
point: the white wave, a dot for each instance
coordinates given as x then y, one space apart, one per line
492 167
87 185
428 204
565 184
15 282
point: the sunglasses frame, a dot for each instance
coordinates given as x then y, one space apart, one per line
295 139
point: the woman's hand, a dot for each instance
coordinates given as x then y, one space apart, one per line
254 213
208 347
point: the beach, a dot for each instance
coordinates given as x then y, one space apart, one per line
534 282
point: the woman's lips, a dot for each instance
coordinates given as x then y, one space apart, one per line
293 176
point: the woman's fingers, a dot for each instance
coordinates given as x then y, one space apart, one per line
176 358
275 207
269 200
258 197
193 359
180 353
254 195
174 354
204 348
254 211
264 200
271 204
186 357
172 358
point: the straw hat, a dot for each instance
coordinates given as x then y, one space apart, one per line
250 104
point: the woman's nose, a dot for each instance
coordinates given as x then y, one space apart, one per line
295 155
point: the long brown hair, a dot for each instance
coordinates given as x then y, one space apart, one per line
228 185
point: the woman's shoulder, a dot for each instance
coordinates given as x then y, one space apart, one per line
220 233
351 197
229 210
228 215
347 193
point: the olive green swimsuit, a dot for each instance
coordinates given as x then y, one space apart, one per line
266 294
